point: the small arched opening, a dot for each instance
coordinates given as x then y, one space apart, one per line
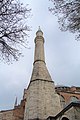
64 118
73 99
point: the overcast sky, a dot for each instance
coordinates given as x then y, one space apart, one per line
62 54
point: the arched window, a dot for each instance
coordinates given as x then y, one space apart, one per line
73 99
62 101
64 118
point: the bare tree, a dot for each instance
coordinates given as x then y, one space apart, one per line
68 12
13 28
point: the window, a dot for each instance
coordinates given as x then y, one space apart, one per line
73 99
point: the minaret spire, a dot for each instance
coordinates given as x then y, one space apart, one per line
39 69
39 29
15 104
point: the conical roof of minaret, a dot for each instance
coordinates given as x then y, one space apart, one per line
40 71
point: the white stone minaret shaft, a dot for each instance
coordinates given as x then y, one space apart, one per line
42 101
39 47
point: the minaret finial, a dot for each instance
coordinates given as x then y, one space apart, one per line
39 32
39 28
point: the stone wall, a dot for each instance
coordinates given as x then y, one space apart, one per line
15 114
72 114
7 115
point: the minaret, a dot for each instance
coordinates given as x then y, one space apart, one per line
41 101
15 104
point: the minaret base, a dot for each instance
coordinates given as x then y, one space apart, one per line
42 101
